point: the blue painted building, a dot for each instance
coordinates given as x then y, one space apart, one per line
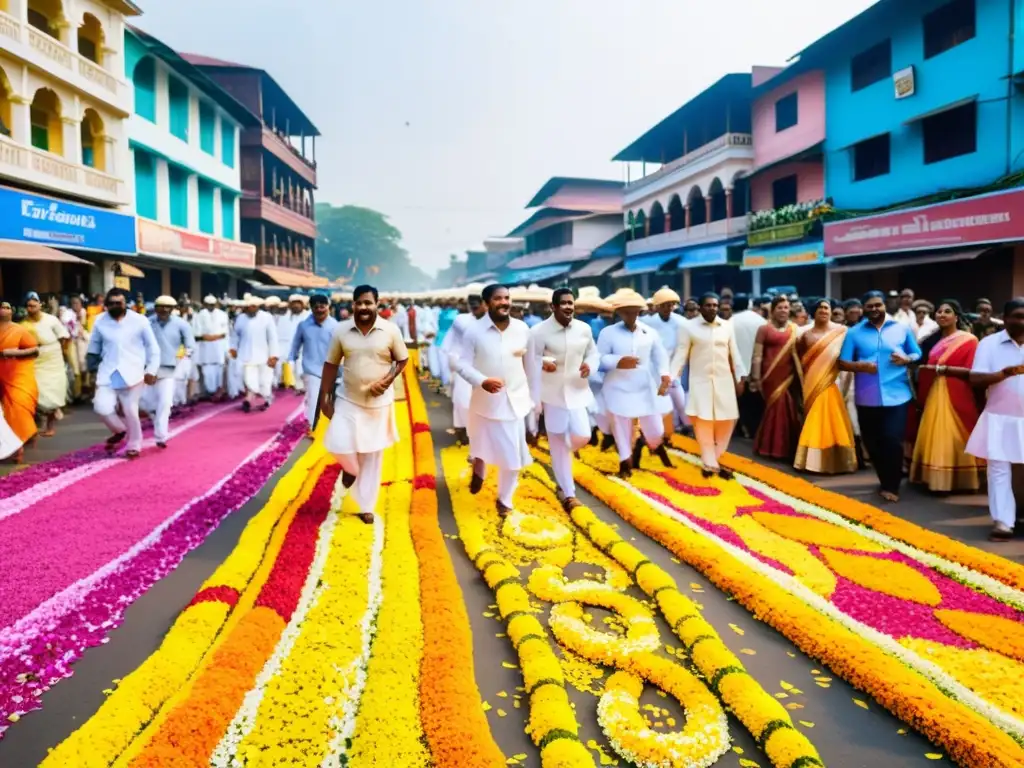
922 99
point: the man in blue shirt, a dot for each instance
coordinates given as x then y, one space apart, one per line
172 333
877 351
313 338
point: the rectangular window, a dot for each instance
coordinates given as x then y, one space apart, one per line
784 191
205 207
870 66
227 215
786 112
41 137
227 143
871 158
207 128
948 26
178 96
951 133
178 180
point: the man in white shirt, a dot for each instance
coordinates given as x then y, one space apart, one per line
998 436
453 348
363 423
636 372
666 322
562 356
745 323
494 363
212 329
287 323
125 355
171 334
904 311
708 345
256 350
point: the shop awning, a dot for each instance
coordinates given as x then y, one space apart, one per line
527 276
15 251
596 268
895 260
127 270
643 265
293 278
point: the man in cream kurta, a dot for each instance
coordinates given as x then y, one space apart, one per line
562 356
212 329
636 373
708 345
363 423
256 351
494 365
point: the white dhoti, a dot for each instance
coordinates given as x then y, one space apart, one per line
652 427
105 402
677 395
568 431
999 439
358 437
503 445
312 389
598 413
434 360
213 377
182 376
461 394
235 383
157 400
258 379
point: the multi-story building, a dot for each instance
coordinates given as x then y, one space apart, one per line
785 248
923 111
184 135
575 222
690 212
63 144
279 179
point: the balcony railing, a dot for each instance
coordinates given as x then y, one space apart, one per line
286 153
35 167
695 235
704 152
281 256
53 56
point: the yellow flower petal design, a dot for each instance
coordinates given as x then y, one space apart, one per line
886 576
993 632
808 530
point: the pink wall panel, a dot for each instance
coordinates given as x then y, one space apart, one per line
810 184
769 146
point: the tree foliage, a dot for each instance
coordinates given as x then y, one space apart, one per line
362 246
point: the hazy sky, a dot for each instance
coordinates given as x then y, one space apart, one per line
447 115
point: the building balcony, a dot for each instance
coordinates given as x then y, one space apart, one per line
281 256
33 167
700 234
563 254
50 55
730 149
264 208
281 149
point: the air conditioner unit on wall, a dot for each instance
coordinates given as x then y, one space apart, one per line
903 83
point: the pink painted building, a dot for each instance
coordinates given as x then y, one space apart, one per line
788 129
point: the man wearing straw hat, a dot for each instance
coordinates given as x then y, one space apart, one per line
667 323
708 345
494 363
562 356
636 373
256 351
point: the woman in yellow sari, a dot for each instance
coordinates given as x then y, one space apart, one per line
950 413
51 374
18 391
826 443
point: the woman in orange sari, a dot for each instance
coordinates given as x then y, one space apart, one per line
18 392
949 408
774 372
826 443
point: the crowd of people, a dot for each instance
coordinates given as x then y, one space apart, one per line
914 389
132 359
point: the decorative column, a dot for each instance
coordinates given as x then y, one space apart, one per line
110 165
707 209
687 284
728 203
647 227
72 140
688 216
668 221
21 120
65 32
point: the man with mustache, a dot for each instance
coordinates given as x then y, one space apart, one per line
493 363
363 423
309 350
125 355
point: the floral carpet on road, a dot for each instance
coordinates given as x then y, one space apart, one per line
324 641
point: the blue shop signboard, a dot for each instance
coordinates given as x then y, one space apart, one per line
47 221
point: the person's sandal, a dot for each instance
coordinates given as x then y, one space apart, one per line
366 517
725 474
503 511
476 484
707 473
1000 533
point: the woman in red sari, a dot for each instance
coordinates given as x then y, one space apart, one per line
949 409
775 373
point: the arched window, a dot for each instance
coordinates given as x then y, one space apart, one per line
657 219
740 195
144 83
698 211
5 104
717 194
46 16
631 226
90 39
93 146
47 131
641 226
677 212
